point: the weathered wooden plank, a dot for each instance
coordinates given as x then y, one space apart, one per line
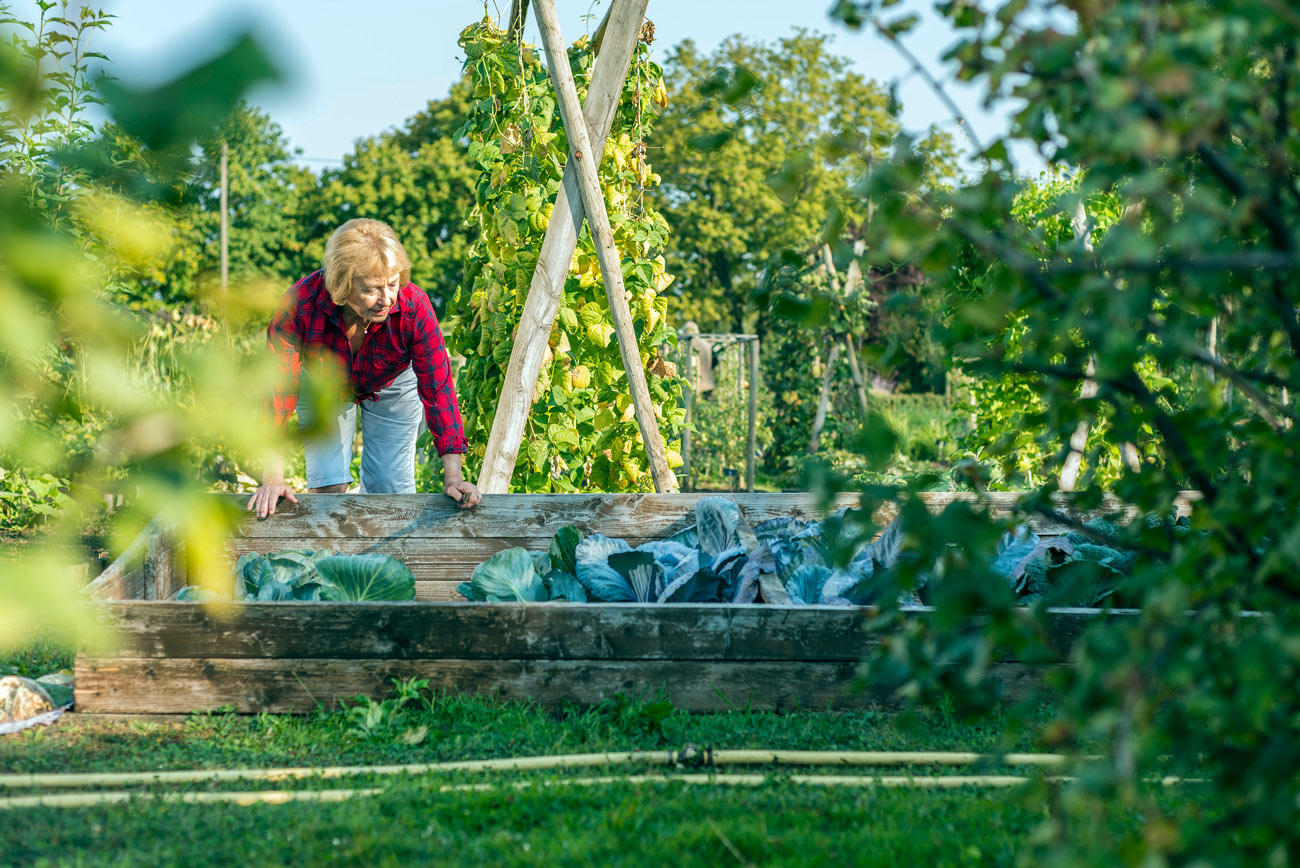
485 631
505 516
124 578
439 591
172 686
511 631
412 550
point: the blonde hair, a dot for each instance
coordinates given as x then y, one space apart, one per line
360 248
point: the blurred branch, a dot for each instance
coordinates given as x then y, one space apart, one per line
939 91
1284 11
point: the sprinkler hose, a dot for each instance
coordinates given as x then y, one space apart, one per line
278 797
690 757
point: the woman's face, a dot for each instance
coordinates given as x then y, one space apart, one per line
373 296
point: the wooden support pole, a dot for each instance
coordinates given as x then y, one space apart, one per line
823 402
598 38
753 414
850 351
518 17
855 369
547 287
611 266
1079 439
225 217
688 366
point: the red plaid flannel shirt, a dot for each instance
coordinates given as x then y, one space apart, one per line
308 323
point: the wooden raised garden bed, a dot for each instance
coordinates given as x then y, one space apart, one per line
175 657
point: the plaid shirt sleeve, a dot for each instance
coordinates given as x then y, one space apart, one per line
433 378
285 343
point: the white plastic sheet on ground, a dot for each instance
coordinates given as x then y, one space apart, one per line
39 720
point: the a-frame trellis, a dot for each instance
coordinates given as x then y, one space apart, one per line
852 284
587 127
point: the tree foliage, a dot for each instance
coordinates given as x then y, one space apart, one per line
70 353
1186 114
758 142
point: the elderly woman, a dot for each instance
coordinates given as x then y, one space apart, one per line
361 321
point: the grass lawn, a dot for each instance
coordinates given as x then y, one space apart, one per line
411 822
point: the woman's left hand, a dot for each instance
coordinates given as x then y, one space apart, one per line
463 492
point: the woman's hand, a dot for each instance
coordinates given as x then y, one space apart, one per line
454 484
268 495
464 493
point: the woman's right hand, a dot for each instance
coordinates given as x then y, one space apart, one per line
268 495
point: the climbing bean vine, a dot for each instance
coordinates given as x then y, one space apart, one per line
581 434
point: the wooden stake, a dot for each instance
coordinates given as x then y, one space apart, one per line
824 402
225 216
850 351
1079 439
753 414
598 38
688 369
518 17
611 267
547 288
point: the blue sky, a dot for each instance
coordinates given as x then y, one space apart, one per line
360 68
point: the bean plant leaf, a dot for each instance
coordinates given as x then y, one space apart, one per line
364 578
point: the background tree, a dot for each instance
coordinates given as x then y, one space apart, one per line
735 118
757 145
759 148
267 198
1186 114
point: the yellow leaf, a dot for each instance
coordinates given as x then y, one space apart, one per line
579 377
599 333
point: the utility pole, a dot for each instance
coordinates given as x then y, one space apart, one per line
225 230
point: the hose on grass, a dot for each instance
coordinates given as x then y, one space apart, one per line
82 800
690 757
279 797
